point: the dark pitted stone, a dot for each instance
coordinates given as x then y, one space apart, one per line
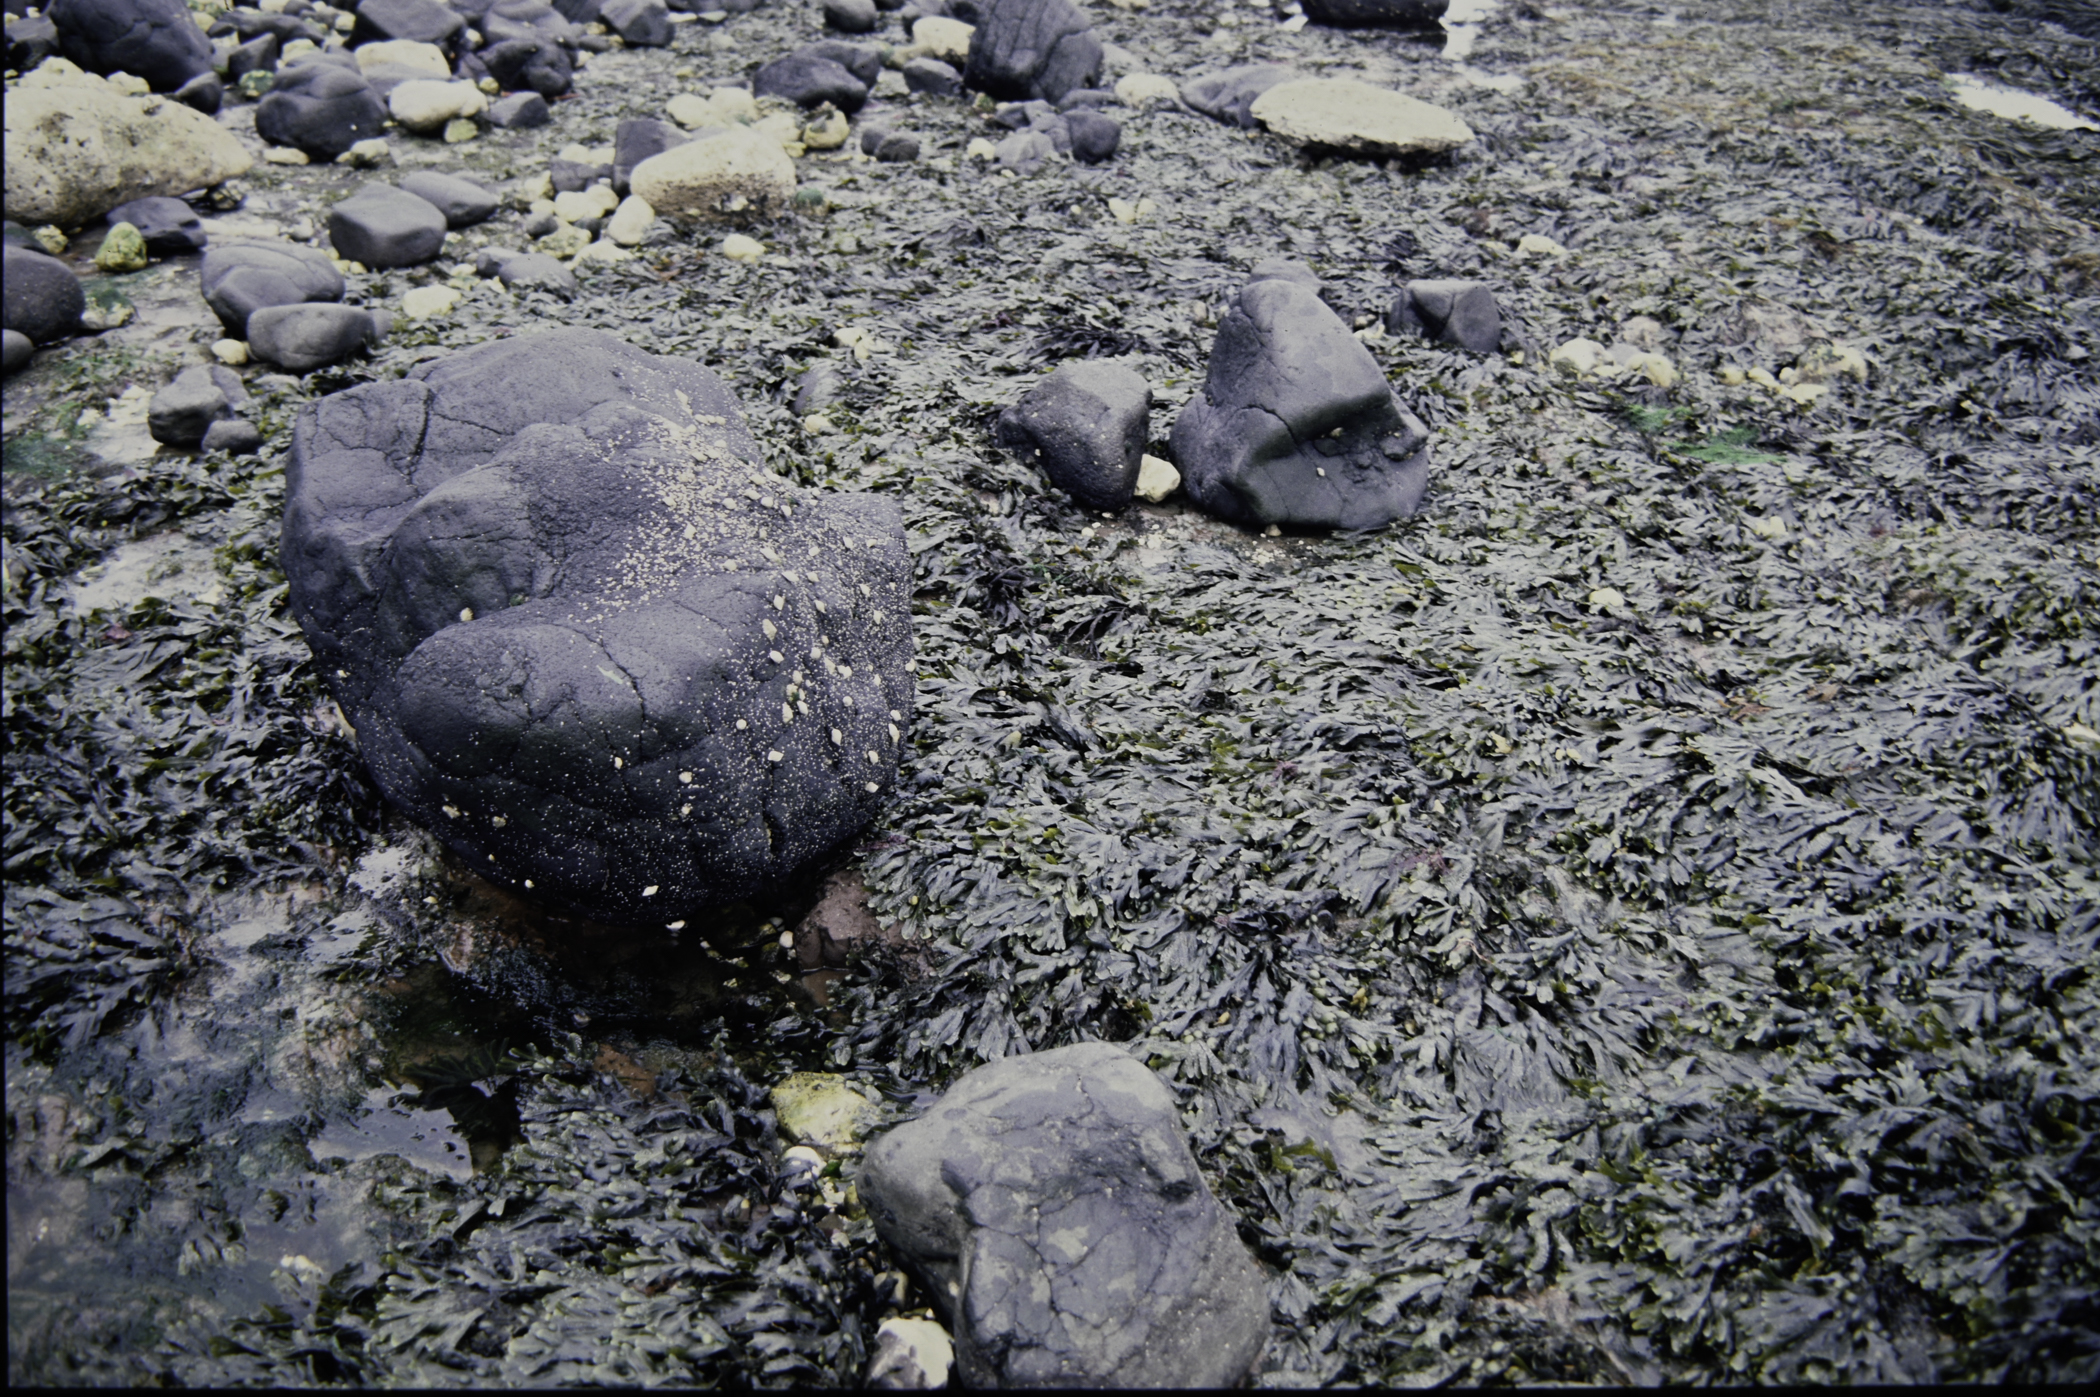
258 55
526 270
896 148
540 64
1461 313
421 21
1295 424
303 338
41 296
1377 14
1094 136
586 637
233 436
239 279
30 42
635 140
204 93
519 111
1032 48
930 75
319 107
185 409
16 349
807 81
151 39
170 227
462 202
864 61
639 23
384 226
1085 425
1059 1221
1229 96
852 16
570 176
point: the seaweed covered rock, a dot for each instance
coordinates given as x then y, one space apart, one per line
1085 425
1058 1218
151 39
1032 48
1295 424
584 637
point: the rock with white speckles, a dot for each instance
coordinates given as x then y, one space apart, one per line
585 637
1058 1219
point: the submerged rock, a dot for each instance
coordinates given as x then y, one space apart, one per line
1061 1225
1295 424
585 637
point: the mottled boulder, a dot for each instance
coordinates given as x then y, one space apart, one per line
864 61
321 108
736 171
585 637
1295 425
1085 425
241 278
1377 14
930 75
1059 1221
1032 48
170 227
1229 96
1461 313
43 300
151 39
383 226
1356 116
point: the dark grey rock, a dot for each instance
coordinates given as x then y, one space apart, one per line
204 93
423 21
523 270
241 278
233 436
539 64
170 227
539 225
892 147
819 387
1025 152
303 338
462 202
1032 48
1461 313
258 55
1377 14
319 107
383 226
1094 136
852 16
930 75
576 622
184 410
578 11
151 39
248 24
1229 96
30 42
1085 425
571 176
1059 1220
1286 269
41 296
519 111
15 349
635 140
807 80
1295 425
639 23
1086 97
864 61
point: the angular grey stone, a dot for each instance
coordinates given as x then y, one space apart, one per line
526 269
1086 426
864 61
1032 48
806 80
41 296
639 23
635 140
383 226
533 61
184 410
1060 1223
519 111
930 75
258 55
1295 424
305 337
571 176
462 202
319 107
204 93
233 436
1229 96
1094 136
170 227
575 648
15 349
1461 313
241 278
421 21
151 39
1377 14
30 41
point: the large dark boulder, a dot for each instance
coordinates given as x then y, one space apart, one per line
585 637
535 63
1085 425
423 21
184 410
1032 48
1053 1209
1295 425
807 80
239 279
305 337
41 296
384 226
321 108
637 139
1377 14
864 61
151 39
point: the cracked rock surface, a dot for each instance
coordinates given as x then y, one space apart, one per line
1060 1221
584 637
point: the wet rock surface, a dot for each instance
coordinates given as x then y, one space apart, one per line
1086 425
1067 1233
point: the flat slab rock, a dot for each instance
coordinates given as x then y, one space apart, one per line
585 637
1351 115
1060 1221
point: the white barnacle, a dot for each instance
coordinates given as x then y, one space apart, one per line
451 812
873 788
776 657
846 671
649 891
741 725
879 618
498 821
803 704
492 858
779 602
814 552
686 809
866 590
896 715
838 739
894 734
787 713
685 778
820 609
675 926
775 755
846 699
528 883
769 628
619 764
466 613
874 760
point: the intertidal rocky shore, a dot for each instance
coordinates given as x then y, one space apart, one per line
1130 692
